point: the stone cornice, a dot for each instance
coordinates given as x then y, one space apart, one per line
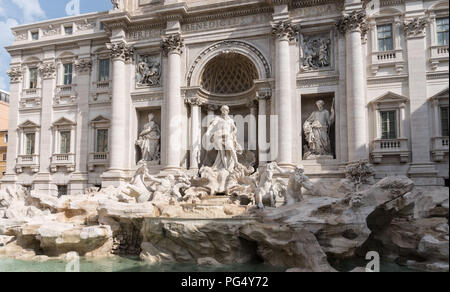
353 21
172 44
227 14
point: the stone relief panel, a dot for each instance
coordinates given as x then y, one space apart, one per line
316 52
148 70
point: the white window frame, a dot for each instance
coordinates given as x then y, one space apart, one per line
63 125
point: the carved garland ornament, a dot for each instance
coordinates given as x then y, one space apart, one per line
172 44
415 27
48 70
355 21
121 51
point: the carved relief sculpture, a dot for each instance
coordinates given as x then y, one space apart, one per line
148 71
316 53
149 141
317 132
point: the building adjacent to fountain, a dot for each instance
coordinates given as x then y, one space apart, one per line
83 89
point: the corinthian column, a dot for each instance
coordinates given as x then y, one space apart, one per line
354 26
173 48
195 102
283 32
422 170
120 54
16 77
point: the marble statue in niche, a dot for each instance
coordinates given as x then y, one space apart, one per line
148 71
317 132
149 141
316 53
222 131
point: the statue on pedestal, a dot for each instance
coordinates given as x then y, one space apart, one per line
149 141
227 171
222 131
317 132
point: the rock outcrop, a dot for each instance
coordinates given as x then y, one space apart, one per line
333 222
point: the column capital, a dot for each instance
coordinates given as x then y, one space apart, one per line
48 70
354 21
415 28
172 44
15 74
83 65
284 30
264 94
194 101
121 51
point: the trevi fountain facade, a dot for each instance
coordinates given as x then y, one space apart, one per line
299 133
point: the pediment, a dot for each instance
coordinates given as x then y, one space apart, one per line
28 124
441 95
390 97
63 122
100 119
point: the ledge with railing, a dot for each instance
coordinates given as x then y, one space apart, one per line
390 147
392 58
65 159
31 93
98 159
439 148
438 54
66 90
27 161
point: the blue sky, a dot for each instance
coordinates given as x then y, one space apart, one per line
17 12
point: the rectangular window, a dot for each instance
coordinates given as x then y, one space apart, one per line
389 125
103 70
4 156
68 30
102 141
444 121
29 143
68 74
33 78
62 190
442 31
64 147
35 35
385 37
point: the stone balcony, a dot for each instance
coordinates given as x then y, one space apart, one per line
63 160
27 161
392 58
32 93
65 94
382 148
98 159
439 148
438 54
101 91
